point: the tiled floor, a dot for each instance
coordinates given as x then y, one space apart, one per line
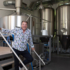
58 63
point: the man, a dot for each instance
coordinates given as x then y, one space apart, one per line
21 37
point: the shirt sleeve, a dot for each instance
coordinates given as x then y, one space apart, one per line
30 40
6 31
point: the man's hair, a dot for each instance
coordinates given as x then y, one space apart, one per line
24 21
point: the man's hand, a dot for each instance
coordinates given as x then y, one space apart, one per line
0 28
33 49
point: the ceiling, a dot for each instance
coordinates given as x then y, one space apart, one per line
52 1
34 4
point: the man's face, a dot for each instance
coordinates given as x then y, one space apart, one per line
24 25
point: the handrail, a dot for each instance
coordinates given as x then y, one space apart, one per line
38 56
7 9
1 68
13 51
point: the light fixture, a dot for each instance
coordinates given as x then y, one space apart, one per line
41 6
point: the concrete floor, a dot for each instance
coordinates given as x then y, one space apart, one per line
58 63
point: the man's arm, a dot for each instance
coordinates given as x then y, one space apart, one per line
31 42
6 31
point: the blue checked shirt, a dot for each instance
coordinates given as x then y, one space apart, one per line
20 38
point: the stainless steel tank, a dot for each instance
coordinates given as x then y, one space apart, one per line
63 20
47 26
63 25
12 21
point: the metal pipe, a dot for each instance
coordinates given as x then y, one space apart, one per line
36 17
31 25
57 44
49 43
39 65
37 55
18 5
9 2
8 9
18 11
27 18
13 51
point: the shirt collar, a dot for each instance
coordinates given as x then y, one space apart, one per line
25 30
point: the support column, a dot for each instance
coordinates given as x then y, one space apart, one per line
31 28
57 45
18 5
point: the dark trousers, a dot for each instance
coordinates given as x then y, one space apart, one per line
25 54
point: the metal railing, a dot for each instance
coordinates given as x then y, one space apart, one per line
17 55
1 68
38 56
13 51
